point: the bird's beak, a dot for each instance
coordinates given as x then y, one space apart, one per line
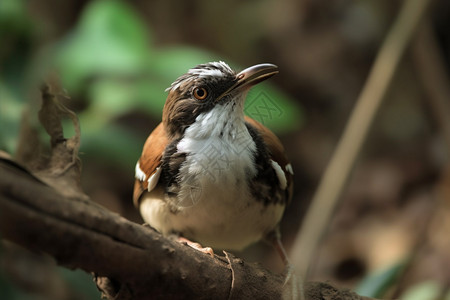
251 76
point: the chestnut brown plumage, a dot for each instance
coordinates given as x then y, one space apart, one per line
209 173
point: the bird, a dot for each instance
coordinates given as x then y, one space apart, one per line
208 172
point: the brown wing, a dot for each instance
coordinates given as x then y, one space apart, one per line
150 160
276 150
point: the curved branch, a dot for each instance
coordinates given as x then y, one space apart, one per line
80 234
129 261
49 213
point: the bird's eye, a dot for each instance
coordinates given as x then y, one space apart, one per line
200 93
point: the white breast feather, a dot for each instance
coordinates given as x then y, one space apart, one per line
219 150
215 205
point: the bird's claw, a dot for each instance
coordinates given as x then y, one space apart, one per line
196 246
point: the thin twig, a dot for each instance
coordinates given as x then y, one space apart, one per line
435 81
355 133
434 78
230 296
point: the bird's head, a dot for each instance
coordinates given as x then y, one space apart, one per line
208 87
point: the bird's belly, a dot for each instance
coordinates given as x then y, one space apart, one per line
224 218
227 220
213 204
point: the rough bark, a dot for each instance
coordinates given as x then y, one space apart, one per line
43 209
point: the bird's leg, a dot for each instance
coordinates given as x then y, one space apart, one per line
274 239
196 246
296 291
183 240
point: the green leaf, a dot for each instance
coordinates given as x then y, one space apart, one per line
171 62
111 98
14 17
109 39
112 143
81 283
375 285
423 290
274 109
10 115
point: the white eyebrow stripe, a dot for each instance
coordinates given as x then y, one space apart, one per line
211 69
223 65
206 72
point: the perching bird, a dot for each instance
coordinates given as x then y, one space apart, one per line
209 173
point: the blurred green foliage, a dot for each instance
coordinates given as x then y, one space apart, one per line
80 282
108 40
8 291
426 290
376 284
109 58
16 40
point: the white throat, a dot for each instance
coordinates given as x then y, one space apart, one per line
214 204
219 151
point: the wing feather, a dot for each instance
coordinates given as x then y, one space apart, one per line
277 152
148 164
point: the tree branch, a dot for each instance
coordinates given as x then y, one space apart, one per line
130 261
45 210
80 234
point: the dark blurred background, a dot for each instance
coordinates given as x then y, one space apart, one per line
113 60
